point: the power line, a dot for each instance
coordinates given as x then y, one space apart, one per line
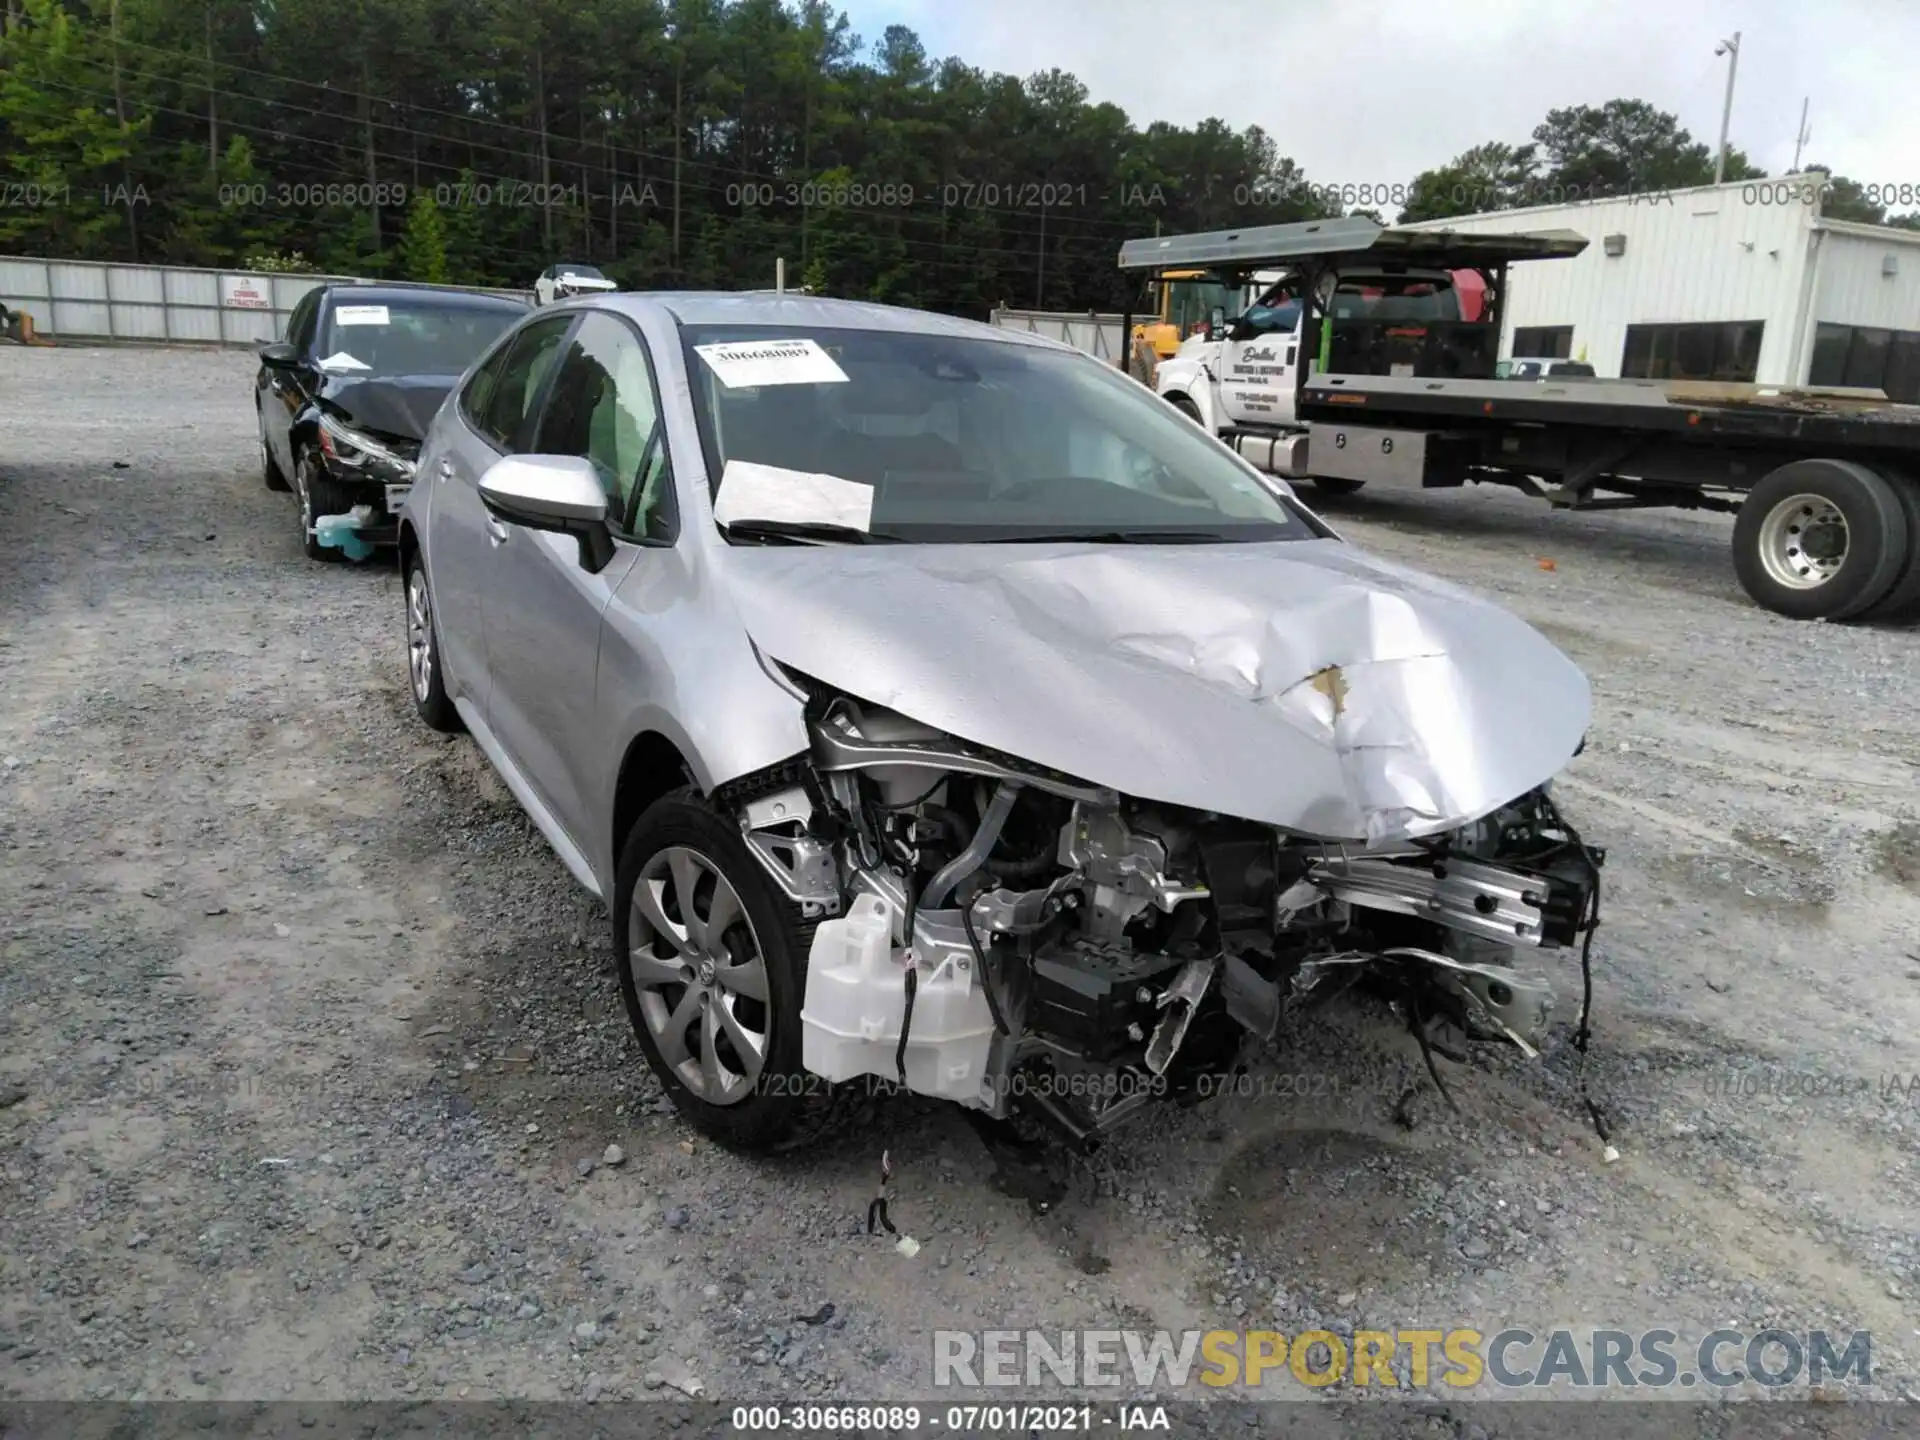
742 176
943 246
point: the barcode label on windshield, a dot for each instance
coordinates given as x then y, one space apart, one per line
361 315
742 364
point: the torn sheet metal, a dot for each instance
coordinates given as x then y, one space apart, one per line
1299 683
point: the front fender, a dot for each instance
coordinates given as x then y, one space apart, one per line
303 431
1186 377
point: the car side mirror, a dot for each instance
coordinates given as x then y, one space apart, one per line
560 493
279 356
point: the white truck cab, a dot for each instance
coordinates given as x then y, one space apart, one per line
1243 375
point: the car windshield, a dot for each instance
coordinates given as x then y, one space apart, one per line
932 437
410 336
580 272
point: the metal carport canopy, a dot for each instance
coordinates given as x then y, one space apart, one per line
1354 236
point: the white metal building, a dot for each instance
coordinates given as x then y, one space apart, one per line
1741 281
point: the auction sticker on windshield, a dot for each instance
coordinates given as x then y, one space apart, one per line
361 315
749 491
742 364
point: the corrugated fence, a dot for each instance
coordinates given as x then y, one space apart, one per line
161 304
1102 336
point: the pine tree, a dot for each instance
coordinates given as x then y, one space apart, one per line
64 148
461 242
424 246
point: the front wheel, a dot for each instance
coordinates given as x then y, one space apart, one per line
1820 540
713 964
319 495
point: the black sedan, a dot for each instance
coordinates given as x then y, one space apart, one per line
345 400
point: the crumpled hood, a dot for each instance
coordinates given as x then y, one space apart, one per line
1298 683
399 405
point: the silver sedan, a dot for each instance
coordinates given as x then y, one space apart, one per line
934 707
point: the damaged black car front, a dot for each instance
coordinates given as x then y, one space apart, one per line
346 400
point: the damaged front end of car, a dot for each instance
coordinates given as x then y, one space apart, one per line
996 933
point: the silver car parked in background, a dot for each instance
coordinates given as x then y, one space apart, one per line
933 706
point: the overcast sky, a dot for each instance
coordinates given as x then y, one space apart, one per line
1363 91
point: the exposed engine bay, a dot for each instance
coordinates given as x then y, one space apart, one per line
1000 936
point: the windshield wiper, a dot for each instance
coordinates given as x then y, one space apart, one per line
824 531
1120 537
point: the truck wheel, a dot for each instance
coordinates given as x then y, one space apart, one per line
1333 485
1187 408
1820 540
1901 604
713 969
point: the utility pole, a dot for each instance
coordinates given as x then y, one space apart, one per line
213 109
1731 49
1800 137
120 115
679 72
1040 280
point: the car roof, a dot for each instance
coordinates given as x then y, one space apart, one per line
763 307
412 294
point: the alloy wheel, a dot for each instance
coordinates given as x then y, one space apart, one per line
700 975
419 635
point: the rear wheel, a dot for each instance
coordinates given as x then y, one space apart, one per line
1820 540
713 965
426 675
1901 604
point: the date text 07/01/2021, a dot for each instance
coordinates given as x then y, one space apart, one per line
965 1420
1084 1085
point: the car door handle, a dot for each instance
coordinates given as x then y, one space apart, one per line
496 532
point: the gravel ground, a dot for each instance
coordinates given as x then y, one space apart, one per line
311 1054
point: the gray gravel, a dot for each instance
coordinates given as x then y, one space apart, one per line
315 1082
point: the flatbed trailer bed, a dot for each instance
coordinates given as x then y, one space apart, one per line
1708 412
1826 483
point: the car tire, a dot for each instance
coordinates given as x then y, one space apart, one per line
673 988
1187 408
270 471
426 670
319 495
1820 540
1333 484
1901 604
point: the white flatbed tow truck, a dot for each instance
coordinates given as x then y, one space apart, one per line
1358 367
